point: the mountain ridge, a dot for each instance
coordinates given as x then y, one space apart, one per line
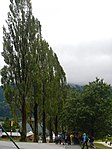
5 109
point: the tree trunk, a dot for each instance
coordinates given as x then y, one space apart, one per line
43 117
50 129
23 130
36 122
56 125
44 128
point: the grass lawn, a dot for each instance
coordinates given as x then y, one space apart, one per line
101 146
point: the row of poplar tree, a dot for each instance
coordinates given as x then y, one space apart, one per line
33 80
35 83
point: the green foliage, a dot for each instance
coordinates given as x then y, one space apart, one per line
98 101
32 78
90 110
19 41
7 125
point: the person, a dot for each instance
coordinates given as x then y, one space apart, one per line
91 141
0 131
59 138
68 139
56 139
84 141
76 138
71 138
63 137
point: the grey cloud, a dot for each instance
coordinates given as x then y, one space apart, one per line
86 61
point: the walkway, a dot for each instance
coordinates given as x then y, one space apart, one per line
26 145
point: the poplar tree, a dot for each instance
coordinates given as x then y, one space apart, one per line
32 77
20 35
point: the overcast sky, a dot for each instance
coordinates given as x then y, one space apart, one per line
80 33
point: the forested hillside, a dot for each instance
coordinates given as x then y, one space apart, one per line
4 108
1 94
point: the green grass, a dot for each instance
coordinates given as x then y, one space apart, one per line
101 146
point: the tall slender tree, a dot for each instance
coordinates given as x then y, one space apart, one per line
32 77
19 42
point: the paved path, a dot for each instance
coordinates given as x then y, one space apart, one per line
26 145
